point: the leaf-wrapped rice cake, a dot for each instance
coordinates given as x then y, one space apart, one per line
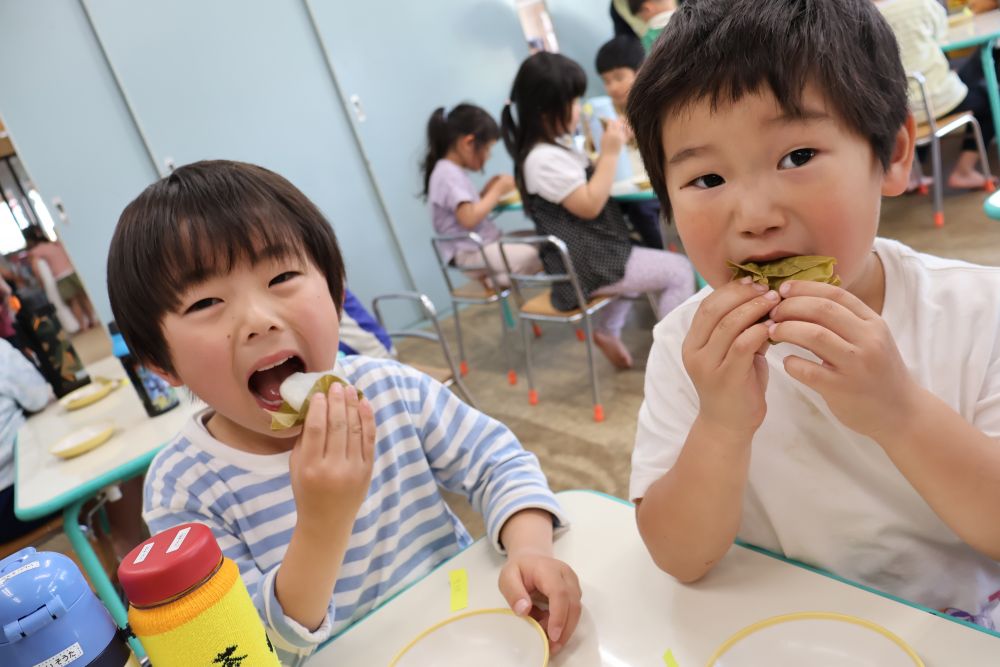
802 267
295 393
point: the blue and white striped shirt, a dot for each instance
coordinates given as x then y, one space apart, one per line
425 438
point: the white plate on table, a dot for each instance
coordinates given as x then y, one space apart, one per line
494 637
815 638
83 440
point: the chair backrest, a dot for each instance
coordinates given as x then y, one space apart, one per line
521 281
441 243
429 312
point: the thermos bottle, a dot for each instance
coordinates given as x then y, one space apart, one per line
50 617
188 605
157 396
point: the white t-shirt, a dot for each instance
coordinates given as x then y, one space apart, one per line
553 172
819 492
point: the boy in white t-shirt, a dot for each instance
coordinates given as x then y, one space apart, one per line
864 440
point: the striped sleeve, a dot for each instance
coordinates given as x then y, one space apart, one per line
171 497
477 456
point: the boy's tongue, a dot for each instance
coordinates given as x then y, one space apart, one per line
266 384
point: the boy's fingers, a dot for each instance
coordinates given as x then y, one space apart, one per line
353 419
367 416
514 591
336 423
313 438
561 603
716 306
735 323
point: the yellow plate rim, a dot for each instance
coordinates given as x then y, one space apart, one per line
99 439
70 403
812 616
476 612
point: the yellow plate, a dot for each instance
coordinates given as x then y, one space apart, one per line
89 394
83 440
495 637
512 197
812 638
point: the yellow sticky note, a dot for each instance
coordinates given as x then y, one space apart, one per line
459 581
669 660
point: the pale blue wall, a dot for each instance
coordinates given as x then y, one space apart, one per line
71 128
581 27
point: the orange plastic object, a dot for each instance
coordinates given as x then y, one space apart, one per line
923 189
537 329
15 304
598 412
463 368
580 336
511 377
991 185
939 219
532 397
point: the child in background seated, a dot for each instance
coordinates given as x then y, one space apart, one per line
864 441
920 26
567 197
225 278
656 14
458 142
617 62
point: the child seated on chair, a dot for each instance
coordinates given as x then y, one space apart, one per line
656 14
617 62
864 439
458 142
225 278
920 26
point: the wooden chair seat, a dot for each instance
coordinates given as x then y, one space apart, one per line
924 129
542 305
474 290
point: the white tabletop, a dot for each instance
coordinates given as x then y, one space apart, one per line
981 28
46 483
634 613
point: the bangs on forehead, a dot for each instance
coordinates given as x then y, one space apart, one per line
201 247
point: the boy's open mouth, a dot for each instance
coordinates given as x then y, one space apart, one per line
265 383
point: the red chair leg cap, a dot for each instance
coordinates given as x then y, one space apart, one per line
463 368
537 330
991 185
532 397
511 377
923 189
598 413
580 336
939 219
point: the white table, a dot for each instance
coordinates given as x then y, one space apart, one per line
634 613
46 484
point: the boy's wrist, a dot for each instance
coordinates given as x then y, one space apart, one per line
705 428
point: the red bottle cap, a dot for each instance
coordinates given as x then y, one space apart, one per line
168 564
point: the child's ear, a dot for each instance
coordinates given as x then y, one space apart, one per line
897 173
170 378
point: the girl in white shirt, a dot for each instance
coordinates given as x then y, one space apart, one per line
566 196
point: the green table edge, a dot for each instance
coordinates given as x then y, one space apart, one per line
738 542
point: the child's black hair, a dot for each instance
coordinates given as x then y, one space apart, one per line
721 50
201 221
542 94
444 129
622 51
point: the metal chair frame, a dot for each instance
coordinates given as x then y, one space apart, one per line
500 295
934 139
584 312
430 313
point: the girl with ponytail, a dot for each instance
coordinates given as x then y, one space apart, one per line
458 142
567 196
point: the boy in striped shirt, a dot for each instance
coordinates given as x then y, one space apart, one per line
225 278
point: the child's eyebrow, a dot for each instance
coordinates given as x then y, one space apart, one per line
686 154
804 116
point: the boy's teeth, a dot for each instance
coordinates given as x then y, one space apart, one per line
274 365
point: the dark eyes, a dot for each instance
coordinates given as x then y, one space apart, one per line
708 181
283 278
202 304
797 158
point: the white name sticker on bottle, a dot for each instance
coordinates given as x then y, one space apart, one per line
21 570
178 539
143 553
69 654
